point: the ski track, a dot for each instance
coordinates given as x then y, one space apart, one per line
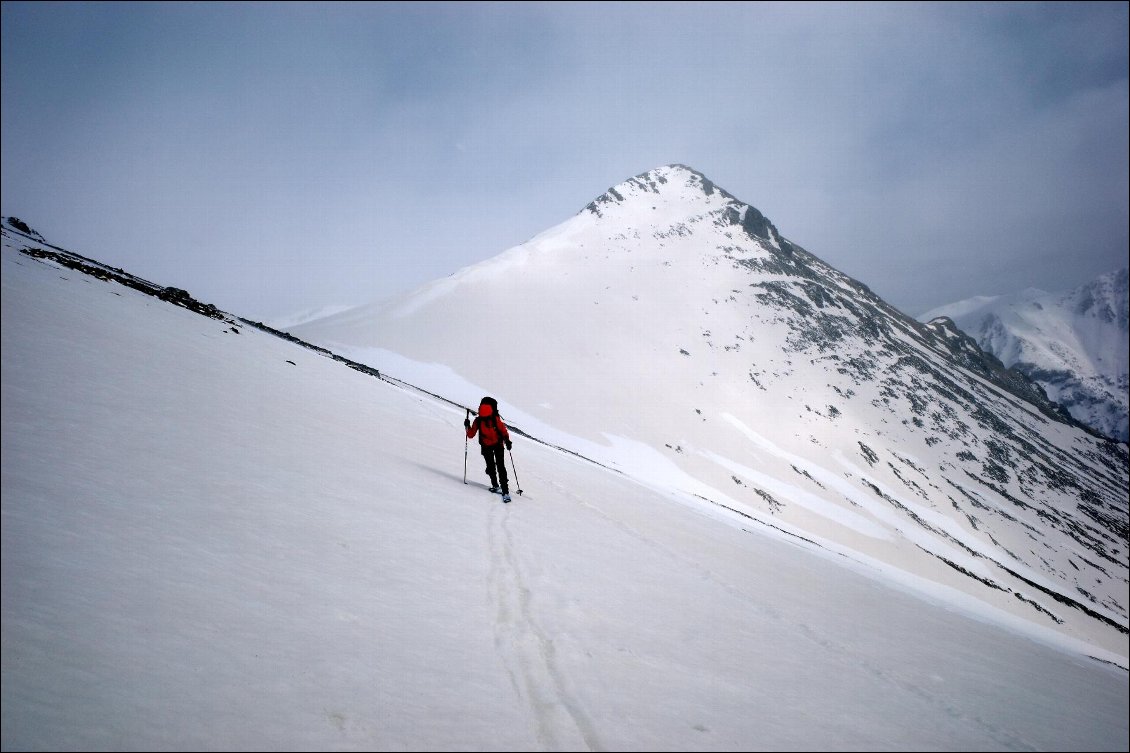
1006 738
527 653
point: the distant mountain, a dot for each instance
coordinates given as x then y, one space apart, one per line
670 331
1072 344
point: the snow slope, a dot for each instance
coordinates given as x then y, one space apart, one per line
217 539
1073 344
668 330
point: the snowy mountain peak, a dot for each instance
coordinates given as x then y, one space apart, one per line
667 179
1106 299
1073 344
663 185
687 190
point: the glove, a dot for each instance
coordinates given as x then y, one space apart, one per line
508 444
466 423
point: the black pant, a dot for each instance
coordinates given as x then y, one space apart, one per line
496 465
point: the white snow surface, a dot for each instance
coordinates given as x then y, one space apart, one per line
217 539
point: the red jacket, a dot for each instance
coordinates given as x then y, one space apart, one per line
489 426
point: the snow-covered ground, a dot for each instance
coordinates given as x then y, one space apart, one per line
215 539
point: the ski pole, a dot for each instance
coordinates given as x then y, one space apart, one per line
465 420
517 483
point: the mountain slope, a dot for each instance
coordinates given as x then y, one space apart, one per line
670 331
1073 344
215 539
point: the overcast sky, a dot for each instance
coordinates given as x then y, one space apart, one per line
275 157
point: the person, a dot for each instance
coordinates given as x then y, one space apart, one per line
493 437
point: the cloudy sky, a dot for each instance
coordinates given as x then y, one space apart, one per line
271 158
